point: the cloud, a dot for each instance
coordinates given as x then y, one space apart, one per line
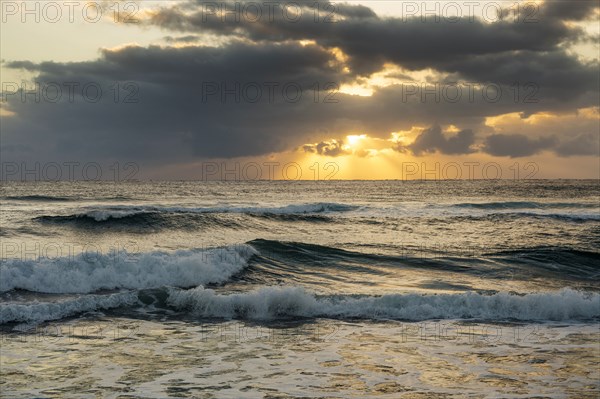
432 140
583 10
516 145
534 76
177 117
358 32
181 39
520 145
190 102
582 144
331 148
197 102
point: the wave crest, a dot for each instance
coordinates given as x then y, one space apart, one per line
45 311
525 205
277 302
177 217
84 273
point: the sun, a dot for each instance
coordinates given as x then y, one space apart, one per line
354 140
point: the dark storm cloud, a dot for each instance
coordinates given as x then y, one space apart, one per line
180 110
517 145
177 119
343 9
410 41
173 122
432 140
181 39
552 74
332 148
582 144
508 51
193 64
571 10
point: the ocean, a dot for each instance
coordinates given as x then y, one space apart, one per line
311 289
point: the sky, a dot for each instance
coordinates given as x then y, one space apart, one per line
311 90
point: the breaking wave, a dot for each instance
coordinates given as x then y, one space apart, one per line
45 311
288 302
87 273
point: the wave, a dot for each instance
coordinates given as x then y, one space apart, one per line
299 256
53 198
156 217
299 263
313 218
526 205
291 302
500 216
42 198
86 273
145 221
296 259
175 217
104 214
319 207
44 311
567 217
271 261
97 215
564 261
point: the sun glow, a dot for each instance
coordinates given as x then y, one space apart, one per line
354 140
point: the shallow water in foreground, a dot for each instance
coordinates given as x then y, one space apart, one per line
120 357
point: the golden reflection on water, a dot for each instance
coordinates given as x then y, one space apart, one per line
115 357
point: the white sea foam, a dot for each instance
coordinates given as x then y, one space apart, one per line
87 273
102 214
276 302
43 311
271 303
